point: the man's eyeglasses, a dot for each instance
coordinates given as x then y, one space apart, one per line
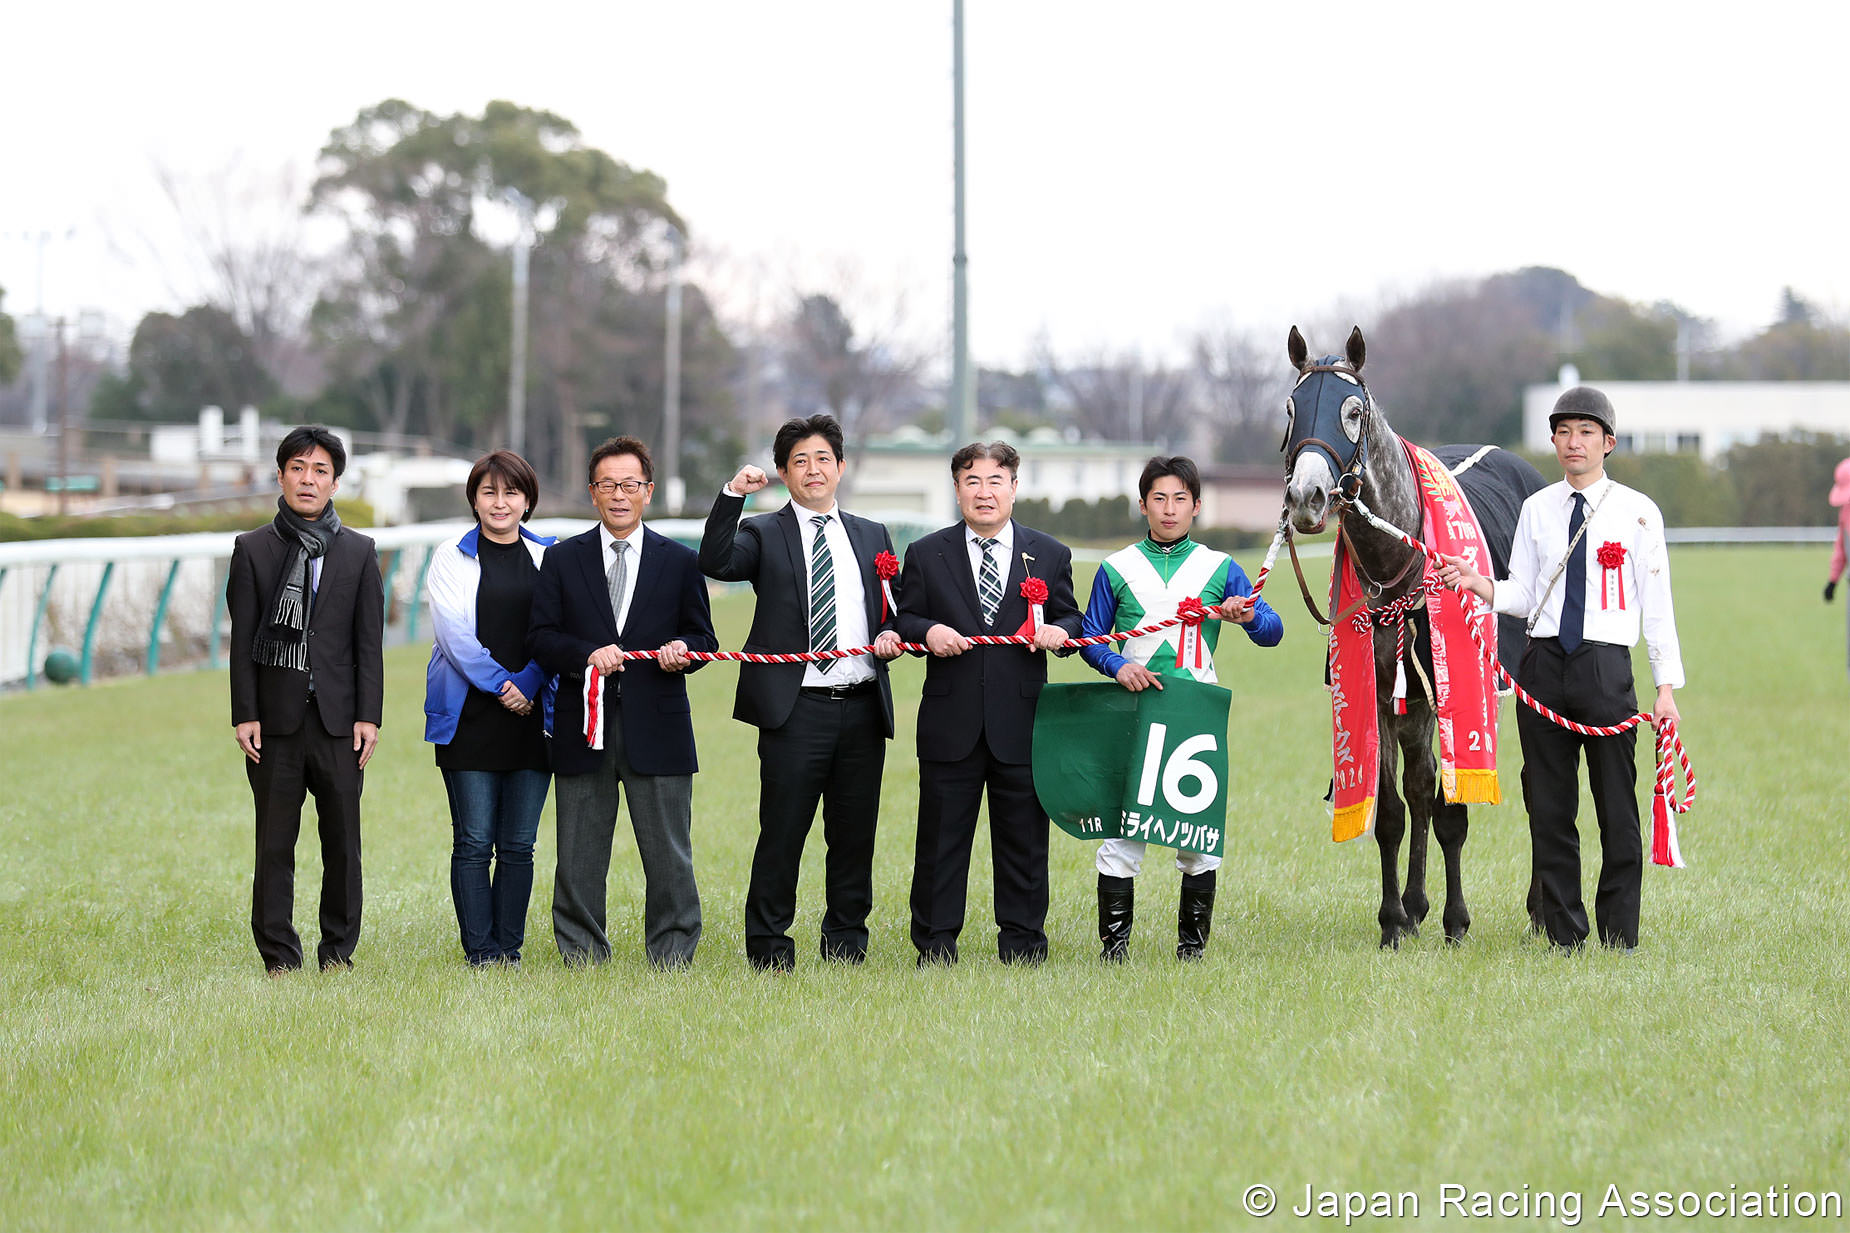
630 487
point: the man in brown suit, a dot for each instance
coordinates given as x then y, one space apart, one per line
307 692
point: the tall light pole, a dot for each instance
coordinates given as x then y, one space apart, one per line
962 410
517 357
671 379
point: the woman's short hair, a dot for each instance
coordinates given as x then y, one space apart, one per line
511 470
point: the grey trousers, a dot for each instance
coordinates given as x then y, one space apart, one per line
661 811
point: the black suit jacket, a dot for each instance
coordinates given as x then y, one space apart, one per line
991 690
767 551
572 618
346 632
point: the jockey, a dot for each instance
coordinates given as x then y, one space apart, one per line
1136 585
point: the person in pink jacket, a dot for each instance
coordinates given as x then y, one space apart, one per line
1840 497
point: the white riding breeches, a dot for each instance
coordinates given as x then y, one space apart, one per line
1122 858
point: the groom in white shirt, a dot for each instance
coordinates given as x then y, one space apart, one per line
1589 569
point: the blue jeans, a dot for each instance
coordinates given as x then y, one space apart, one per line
494 814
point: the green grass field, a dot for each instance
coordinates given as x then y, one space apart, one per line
154 1078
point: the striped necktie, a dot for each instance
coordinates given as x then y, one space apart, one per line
989 582
821 593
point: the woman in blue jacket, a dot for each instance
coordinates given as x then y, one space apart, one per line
485 704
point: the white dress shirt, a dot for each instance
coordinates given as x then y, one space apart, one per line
1615 515
632 563
850 598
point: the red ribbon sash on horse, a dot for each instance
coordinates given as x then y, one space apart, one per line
1355 736
1464 685
1464 697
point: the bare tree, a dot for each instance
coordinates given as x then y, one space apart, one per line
1123 398
862 378
244 249
1243 384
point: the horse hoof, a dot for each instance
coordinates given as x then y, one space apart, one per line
1390 939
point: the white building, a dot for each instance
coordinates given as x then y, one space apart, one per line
1705 417
910 471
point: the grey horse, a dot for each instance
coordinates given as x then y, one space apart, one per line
1338 443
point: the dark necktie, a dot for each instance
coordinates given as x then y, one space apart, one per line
821 593
1574 592
988 582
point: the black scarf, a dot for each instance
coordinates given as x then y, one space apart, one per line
283 640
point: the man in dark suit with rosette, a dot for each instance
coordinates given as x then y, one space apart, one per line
822 726
985 575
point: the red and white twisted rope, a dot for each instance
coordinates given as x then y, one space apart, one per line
1669 745
810 657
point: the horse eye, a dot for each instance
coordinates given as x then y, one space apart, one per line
1291 415
1352 418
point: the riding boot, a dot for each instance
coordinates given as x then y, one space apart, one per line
1116 899
1194 915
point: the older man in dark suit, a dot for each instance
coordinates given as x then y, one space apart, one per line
622 585
976 719
822 727
307 694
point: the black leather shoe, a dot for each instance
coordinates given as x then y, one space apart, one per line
1116 908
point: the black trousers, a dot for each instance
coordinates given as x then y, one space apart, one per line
950 794
830 750
1594 686
310 760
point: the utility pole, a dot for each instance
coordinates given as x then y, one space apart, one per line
517 359
671 380
64 427
1136 398
962 415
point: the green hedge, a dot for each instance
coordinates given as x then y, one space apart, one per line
82 526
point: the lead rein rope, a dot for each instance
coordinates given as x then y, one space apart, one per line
1670 753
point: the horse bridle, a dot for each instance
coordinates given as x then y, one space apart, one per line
1347 458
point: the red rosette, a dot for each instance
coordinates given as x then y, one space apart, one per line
1191 611
886 567
1034 590
1611 554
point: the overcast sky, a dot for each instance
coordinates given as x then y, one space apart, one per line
1136 171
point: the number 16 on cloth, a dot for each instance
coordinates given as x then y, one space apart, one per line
1150 766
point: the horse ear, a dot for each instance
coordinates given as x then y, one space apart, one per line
1358 350
1296 349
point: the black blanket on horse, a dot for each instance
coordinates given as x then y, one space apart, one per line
1496 484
